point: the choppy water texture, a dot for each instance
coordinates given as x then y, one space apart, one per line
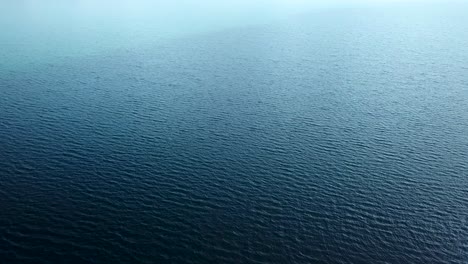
335 137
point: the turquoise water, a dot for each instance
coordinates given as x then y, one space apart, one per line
233 134
50 31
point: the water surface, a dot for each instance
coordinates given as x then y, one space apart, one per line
338 136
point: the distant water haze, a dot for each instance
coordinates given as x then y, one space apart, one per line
50 31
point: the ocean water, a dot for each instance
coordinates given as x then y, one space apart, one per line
330 136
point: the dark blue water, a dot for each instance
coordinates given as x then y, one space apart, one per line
332 137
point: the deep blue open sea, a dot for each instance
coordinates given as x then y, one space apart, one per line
331 136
